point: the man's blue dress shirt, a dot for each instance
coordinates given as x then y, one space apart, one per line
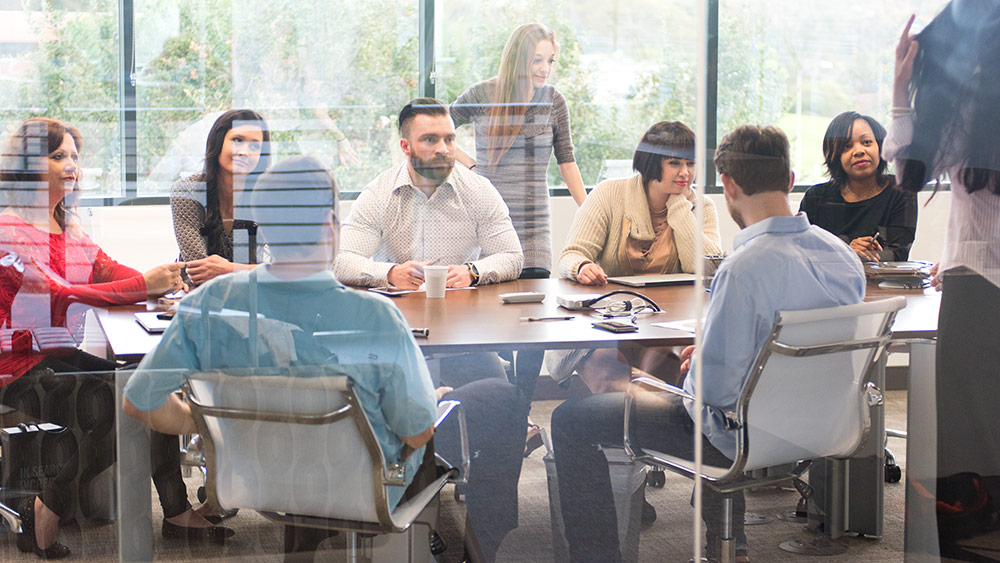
779 264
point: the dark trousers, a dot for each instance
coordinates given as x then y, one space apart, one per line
496 414
527 366
660 423
967 391
165 461
528 363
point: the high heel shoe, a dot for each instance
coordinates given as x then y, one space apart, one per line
26 539
533 439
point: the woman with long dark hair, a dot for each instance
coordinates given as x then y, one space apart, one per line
946 119
204 205
858 204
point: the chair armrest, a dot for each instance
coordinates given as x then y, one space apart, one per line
641 379
446 409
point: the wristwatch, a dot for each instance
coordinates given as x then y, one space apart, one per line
474 272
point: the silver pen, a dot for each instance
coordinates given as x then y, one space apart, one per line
540 319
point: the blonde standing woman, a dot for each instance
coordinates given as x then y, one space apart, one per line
520 120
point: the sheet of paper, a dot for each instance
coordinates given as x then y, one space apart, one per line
687 325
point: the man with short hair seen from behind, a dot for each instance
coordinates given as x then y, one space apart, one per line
780 262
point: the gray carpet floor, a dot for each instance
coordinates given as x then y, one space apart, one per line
668 539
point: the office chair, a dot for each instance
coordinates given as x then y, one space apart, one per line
261 428
807 396
251 228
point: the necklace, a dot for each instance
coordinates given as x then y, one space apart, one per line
860 197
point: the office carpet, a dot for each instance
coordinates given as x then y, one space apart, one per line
668 539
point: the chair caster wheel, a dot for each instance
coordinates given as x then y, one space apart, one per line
893 473
437 544
656 478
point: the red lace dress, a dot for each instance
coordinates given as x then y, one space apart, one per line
42 274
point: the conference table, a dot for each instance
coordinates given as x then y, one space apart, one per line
476 320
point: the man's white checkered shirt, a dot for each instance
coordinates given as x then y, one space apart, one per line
464 220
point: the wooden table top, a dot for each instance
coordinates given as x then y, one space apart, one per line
475 319
919 319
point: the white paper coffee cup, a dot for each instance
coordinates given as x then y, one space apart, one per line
434 281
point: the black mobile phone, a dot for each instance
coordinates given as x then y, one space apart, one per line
390 291
615 326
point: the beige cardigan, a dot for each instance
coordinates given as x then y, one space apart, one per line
616 209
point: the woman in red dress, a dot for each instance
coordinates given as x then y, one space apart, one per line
48 263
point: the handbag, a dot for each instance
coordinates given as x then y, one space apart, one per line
33 454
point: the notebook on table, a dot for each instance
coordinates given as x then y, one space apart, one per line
151 323
651 280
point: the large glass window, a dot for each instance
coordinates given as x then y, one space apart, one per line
820 61
144 80
621 66
60 59
329 77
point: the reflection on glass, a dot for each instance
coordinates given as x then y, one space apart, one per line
49 264
798 75
621 66
60 59
332 97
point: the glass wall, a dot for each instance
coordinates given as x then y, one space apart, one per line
145 80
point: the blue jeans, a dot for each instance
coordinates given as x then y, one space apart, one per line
660 423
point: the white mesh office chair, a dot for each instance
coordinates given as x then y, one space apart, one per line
298 448
808 396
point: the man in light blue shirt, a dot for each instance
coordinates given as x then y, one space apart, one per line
780 262
304 318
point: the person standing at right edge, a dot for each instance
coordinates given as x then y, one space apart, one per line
946 115
519 121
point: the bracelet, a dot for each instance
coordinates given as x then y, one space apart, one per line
471 167
900 110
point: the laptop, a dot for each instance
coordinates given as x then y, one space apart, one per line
652 280
152 324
